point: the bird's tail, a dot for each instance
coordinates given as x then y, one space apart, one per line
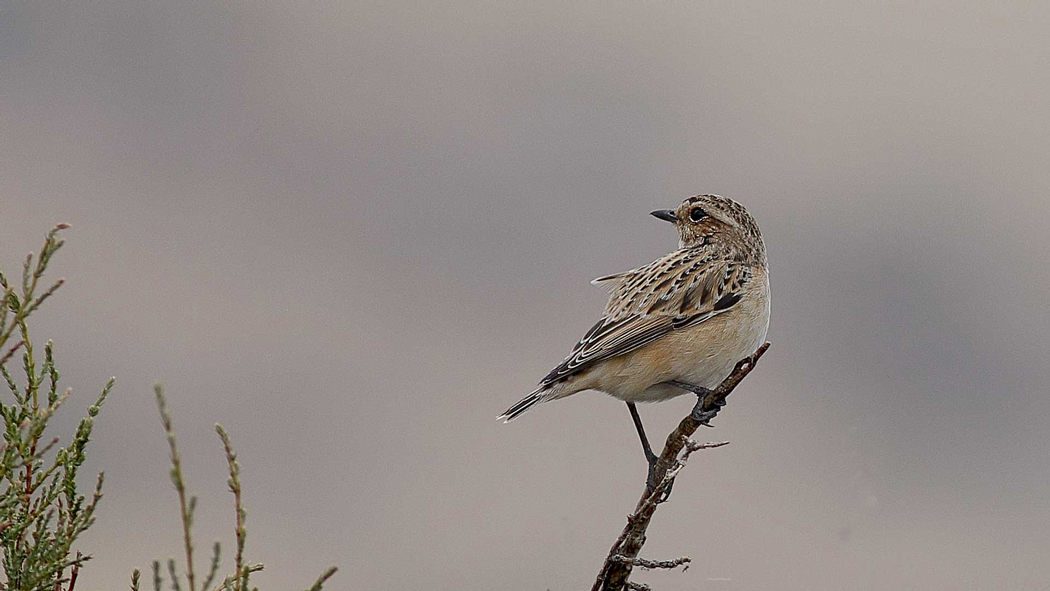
538 395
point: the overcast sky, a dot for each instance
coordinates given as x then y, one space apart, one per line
355 233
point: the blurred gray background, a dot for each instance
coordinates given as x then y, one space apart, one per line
355 233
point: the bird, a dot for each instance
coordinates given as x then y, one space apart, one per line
675 326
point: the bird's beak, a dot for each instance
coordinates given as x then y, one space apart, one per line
666 215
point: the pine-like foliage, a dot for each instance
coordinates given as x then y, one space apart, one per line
41 510
240 578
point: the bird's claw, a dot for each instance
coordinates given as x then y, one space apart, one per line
704 417
651 483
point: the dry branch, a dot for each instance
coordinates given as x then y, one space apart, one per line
623 555
651 564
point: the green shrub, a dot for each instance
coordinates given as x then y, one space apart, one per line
238 580
41 511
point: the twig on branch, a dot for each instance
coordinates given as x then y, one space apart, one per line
10 352
623 555
73 575
651 564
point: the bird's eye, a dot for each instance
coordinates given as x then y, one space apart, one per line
697 214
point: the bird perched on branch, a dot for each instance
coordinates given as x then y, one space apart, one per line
677 325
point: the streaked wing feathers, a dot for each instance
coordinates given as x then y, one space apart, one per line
609 282
679 290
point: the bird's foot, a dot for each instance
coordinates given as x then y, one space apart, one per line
699 414
651 483
704 417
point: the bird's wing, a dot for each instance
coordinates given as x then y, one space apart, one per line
610 282
679 290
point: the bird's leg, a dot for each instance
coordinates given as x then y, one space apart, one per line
646 449
650 457
698 414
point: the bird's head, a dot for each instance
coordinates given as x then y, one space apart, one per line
706 219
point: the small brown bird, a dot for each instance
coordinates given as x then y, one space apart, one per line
679 324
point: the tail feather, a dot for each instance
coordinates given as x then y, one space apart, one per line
537 396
